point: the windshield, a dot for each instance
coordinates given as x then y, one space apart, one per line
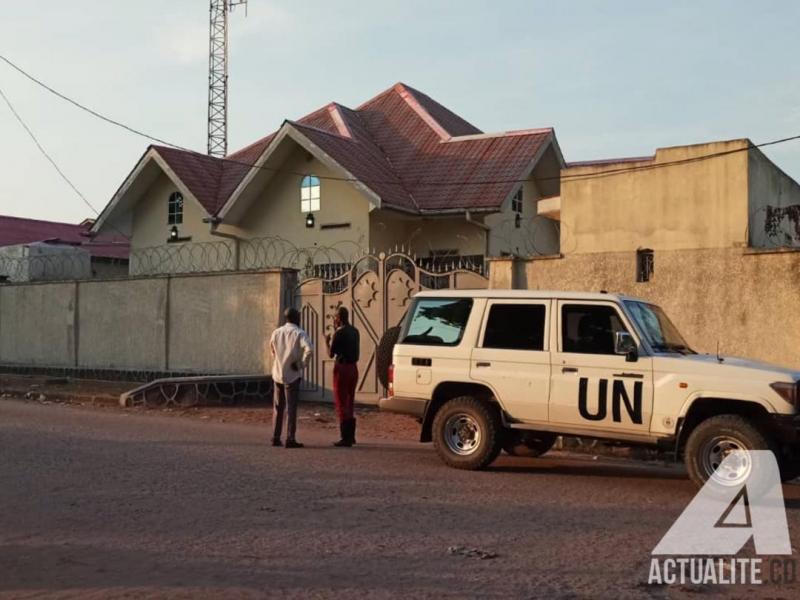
656 327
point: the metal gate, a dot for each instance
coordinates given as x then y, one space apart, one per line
377 291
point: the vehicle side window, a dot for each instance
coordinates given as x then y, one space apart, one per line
438 321
589 328
515 327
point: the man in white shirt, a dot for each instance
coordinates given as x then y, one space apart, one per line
291 351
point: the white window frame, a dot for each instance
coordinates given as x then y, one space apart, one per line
516 201
175 209
310 194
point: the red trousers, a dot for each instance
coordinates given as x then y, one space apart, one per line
345 380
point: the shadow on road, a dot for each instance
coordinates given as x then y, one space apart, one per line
559 467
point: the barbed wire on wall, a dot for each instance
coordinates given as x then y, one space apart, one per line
323 262
59 267
188 257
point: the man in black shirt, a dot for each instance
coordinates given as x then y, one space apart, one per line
343 347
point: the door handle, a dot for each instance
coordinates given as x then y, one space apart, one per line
630 375
483 364
569 370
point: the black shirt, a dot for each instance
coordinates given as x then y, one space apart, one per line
345 344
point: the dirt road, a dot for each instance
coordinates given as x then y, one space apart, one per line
97 504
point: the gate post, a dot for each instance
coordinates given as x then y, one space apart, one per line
501 272
383 292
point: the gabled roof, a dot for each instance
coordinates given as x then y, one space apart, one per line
407 149
17 230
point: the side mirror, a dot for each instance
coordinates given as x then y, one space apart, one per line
624 344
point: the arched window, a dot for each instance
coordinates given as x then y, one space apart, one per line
175 209
309 194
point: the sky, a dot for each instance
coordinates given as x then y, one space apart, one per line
615 78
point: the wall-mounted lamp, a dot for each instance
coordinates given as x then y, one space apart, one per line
310 220
517 220
175 236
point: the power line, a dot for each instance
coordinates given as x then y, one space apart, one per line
567 177
44 152
50 159
85 108
683 161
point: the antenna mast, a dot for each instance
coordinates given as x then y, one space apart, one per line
218 76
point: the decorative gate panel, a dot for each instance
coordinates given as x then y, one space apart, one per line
377 290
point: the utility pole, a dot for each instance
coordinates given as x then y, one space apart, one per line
218 76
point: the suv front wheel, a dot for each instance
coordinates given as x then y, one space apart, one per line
713 440
467 433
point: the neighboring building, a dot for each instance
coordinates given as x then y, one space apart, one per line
714 195
711 232
400 170
34 250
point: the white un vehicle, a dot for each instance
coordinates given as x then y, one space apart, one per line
486 370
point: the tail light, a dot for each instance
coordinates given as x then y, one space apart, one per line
390 380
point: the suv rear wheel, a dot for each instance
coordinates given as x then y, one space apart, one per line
714 439
531 444
467 433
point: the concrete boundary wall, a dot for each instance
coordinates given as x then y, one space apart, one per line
748 301
205 323
38 324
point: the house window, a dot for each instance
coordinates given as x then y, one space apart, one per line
175 209
309 194
644 265
516 202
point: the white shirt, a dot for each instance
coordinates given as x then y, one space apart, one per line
291 347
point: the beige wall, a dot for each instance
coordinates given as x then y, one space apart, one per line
123 324
150 227
37 324
699 204
222 323
276 210
747 301
771 189
422 235
536 235
204 324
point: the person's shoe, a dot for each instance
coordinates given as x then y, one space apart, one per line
276 442
293 444
344 442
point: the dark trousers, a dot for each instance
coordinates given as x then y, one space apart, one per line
345 380
285 398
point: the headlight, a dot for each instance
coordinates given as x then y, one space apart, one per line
788 391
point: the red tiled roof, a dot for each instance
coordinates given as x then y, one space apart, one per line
401 144
16 230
